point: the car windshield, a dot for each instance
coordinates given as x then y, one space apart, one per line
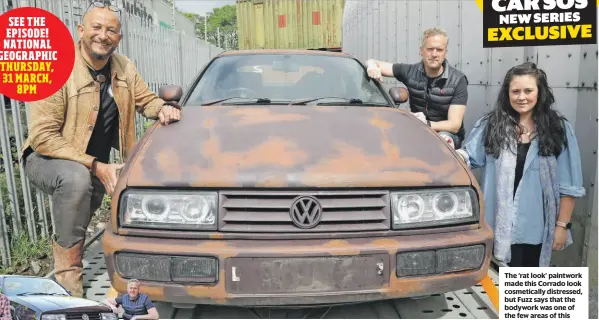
286 78
14 286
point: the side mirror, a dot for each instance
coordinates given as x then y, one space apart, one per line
399 95
170 93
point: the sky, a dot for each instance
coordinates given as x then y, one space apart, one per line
201 6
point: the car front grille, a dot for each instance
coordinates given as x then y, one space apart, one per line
92 315
269 211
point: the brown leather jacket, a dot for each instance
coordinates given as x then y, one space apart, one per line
61 125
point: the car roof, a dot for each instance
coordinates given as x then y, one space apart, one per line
23 276
284 51
5 276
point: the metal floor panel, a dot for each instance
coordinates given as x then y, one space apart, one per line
471 303
95 278
443 306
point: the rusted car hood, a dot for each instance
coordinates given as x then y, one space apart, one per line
295 146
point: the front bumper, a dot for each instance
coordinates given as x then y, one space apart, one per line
303 272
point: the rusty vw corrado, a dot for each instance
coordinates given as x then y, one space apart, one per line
294 179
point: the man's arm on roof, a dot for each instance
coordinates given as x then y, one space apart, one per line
457 109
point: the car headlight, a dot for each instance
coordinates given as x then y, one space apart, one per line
108 316
172 209
430 208
54 317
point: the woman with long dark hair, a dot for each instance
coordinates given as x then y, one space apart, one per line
531 169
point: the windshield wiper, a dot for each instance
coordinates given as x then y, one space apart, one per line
40 294
255 100
306 101
378 104
354 101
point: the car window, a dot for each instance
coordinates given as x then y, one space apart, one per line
31 285
285 78
271 77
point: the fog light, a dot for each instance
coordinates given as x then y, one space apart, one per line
415 263
193 269
460 259
143 267
421 263
166 268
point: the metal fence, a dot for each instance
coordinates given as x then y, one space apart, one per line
162 56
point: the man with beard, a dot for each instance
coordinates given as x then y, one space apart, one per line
438 92
72 132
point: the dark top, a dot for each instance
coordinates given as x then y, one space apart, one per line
461 91
137 307
521 159
434 96
107 122
460 95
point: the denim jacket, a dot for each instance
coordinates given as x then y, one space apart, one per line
529 224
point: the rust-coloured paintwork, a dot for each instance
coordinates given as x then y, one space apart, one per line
291 148
170 92
296 147
399 95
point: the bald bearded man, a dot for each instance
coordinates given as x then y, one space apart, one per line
71 134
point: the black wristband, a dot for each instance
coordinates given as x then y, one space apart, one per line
428 123
93 169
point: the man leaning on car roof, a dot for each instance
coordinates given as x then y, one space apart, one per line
71 134
438 91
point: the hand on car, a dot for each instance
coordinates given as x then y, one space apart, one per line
374 72
449 141
168 115
107 175
420 116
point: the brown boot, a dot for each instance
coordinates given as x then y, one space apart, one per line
68 264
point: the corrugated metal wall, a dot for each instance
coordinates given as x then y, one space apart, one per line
162 12
392 30
289 24
592 257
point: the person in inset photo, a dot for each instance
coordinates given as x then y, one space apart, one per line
136 305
